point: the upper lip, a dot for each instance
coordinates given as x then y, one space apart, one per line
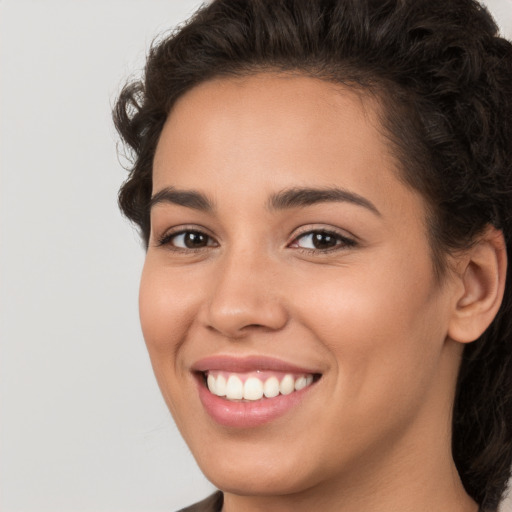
247 364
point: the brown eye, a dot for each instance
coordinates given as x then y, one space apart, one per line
322 241
188 240
193 240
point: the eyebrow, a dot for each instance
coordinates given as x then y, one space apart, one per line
301 197
188 198
286 199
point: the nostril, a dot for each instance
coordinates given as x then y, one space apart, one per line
237 308
257 327
237 330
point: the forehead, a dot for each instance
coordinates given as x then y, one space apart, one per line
280 129
270 101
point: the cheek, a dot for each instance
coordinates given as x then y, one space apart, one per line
166 308
383 325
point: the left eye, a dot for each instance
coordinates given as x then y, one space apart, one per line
321 241
189 240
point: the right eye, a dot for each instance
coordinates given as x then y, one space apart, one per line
188 239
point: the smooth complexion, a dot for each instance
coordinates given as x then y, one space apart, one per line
233 272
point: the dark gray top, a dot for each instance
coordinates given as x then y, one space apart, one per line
211 504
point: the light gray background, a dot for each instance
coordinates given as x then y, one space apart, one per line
82 423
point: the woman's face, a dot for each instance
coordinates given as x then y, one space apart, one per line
285 252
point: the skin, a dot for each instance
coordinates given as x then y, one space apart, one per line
374 432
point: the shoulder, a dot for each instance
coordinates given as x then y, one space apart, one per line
211 504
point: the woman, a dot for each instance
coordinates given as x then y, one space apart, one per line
324 189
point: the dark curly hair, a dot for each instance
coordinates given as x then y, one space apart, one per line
444 79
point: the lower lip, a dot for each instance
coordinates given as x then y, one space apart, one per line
248 414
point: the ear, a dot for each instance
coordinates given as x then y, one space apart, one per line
482 273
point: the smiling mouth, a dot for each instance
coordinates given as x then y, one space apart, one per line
256 385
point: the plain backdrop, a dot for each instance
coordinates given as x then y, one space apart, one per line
82 424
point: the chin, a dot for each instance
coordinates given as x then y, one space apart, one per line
258 479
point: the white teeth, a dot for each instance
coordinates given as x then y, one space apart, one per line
287 385
212 384
300 383
234 388
271 387
220 386
253 389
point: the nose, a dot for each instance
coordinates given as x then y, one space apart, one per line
245 298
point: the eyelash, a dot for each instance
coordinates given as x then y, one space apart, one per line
342 242
167 238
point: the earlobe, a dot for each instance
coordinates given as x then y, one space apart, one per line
483 273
